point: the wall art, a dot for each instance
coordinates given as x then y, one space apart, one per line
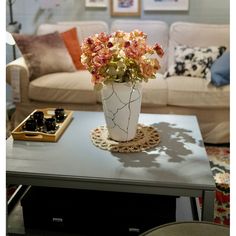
125 7
96 3
165 5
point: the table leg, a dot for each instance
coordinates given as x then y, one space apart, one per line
208 206
11 203
6 214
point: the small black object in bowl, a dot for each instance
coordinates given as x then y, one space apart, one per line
39 117
50 124
60 114
30 124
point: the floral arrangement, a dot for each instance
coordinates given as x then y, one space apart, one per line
120 57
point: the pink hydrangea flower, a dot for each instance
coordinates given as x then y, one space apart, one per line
120 57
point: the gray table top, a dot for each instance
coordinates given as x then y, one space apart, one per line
180 160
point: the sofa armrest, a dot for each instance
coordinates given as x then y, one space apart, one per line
15 70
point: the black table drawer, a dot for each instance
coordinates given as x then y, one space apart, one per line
95 212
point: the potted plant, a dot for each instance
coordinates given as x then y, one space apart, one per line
119 62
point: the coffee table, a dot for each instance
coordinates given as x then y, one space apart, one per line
178 166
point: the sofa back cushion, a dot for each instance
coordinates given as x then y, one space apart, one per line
196 35
51 28
84 28
157 32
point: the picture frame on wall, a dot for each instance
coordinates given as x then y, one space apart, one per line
166 5
125 7
96 3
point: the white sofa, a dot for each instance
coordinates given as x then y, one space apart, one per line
175 95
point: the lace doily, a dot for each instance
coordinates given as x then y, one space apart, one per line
146 138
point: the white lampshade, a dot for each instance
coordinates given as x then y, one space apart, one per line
9 39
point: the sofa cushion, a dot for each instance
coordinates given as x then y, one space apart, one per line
73 87
220 70
155 91
157 31
194 92
73 46
194 61
44 54
196 35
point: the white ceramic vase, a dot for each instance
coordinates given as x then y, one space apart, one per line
121 107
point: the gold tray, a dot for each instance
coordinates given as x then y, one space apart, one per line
20 134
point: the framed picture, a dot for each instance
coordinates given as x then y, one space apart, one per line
125 7
165 5
96 3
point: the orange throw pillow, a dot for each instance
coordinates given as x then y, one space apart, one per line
71 41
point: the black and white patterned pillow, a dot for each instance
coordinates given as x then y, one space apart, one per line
194 62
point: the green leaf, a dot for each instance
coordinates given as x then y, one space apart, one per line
98 87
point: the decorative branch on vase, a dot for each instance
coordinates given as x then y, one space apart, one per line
119 62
